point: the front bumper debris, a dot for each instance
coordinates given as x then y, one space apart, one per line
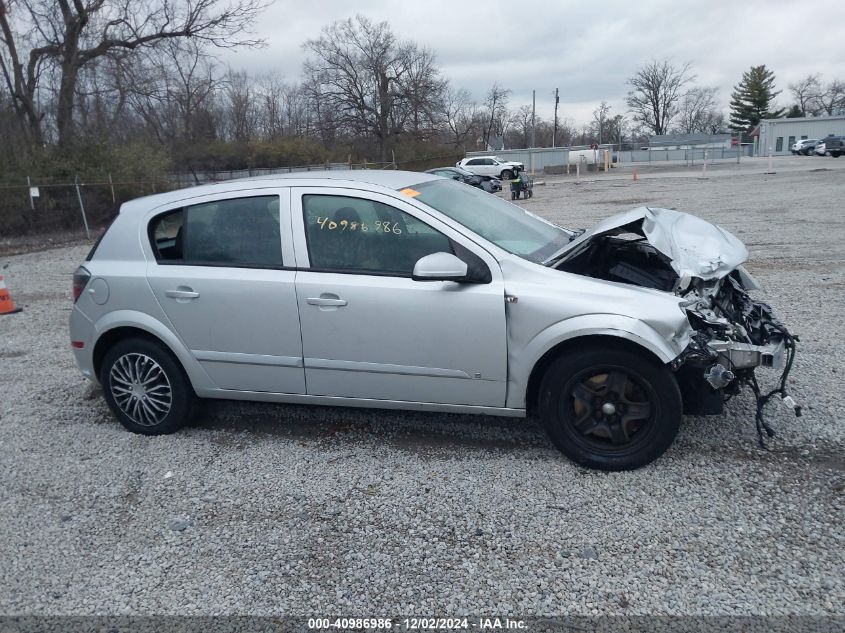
746 356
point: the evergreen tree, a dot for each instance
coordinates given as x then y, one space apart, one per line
752 99
795 112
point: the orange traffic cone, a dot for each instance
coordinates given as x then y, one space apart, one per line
7 306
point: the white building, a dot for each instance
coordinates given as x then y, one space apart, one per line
690 141
780 134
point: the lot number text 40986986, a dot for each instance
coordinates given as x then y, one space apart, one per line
417 623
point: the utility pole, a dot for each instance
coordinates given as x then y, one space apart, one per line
619 155
554 131
533 126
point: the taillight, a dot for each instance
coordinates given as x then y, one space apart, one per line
80 279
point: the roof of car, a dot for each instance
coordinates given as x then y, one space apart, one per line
494 156
392 179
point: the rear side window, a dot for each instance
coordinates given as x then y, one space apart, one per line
241 232
93 250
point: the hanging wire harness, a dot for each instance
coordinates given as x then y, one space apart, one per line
734 335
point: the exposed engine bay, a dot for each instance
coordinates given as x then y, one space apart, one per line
701 263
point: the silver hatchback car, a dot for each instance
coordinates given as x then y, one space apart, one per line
404 290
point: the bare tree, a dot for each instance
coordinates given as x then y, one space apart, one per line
830 99
459 114
270 115
806 91
601 115
496 112
239 106
657 89
520 127
420 91
714 122
65 36
696 110
365 81
173 88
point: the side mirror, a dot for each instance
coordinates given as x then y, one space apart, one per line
456 177
439 267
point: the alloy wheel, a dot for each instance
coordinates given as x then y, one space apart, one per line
141 389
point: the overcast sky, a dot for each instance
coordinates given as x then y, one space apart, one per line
586 49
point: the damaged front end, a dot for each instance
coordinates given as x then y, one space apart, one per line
700 263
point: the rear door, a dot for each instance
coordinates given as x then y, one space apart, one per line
488 167
476 166
368 329
224 275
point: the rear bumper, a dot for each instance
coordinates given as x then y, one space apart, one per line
82 333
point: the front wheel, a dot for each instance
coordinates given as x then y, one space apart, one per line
145 387
610 409
507 174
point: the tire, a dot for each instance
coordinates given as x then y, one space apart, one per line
507 174
649 397
166 402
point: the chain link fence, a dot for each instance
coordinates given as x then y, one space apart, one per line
41 205
44 205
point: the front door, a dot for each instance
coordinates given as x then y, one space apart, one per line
368 329
220 277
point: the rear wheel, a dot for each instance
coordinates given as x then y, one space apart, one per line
145 387
610 409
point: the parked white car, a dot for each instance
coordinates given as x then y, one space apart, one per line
798 146
491 166
404 290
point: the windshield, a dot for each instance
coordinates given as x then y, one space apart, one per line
506 225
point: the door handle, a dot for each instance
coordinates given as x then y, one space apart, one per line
182 293
325 301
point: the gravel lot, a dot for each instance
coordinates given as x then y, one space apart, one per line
266 509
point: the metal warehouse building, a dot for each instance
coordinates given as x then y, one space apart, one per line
780 134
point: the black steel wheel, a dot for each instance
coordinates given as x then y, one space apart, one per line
611 409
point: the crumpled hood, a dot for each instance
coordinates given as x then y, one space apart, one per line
695 247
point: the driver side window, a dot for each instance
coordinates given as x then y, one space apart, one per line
355 234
